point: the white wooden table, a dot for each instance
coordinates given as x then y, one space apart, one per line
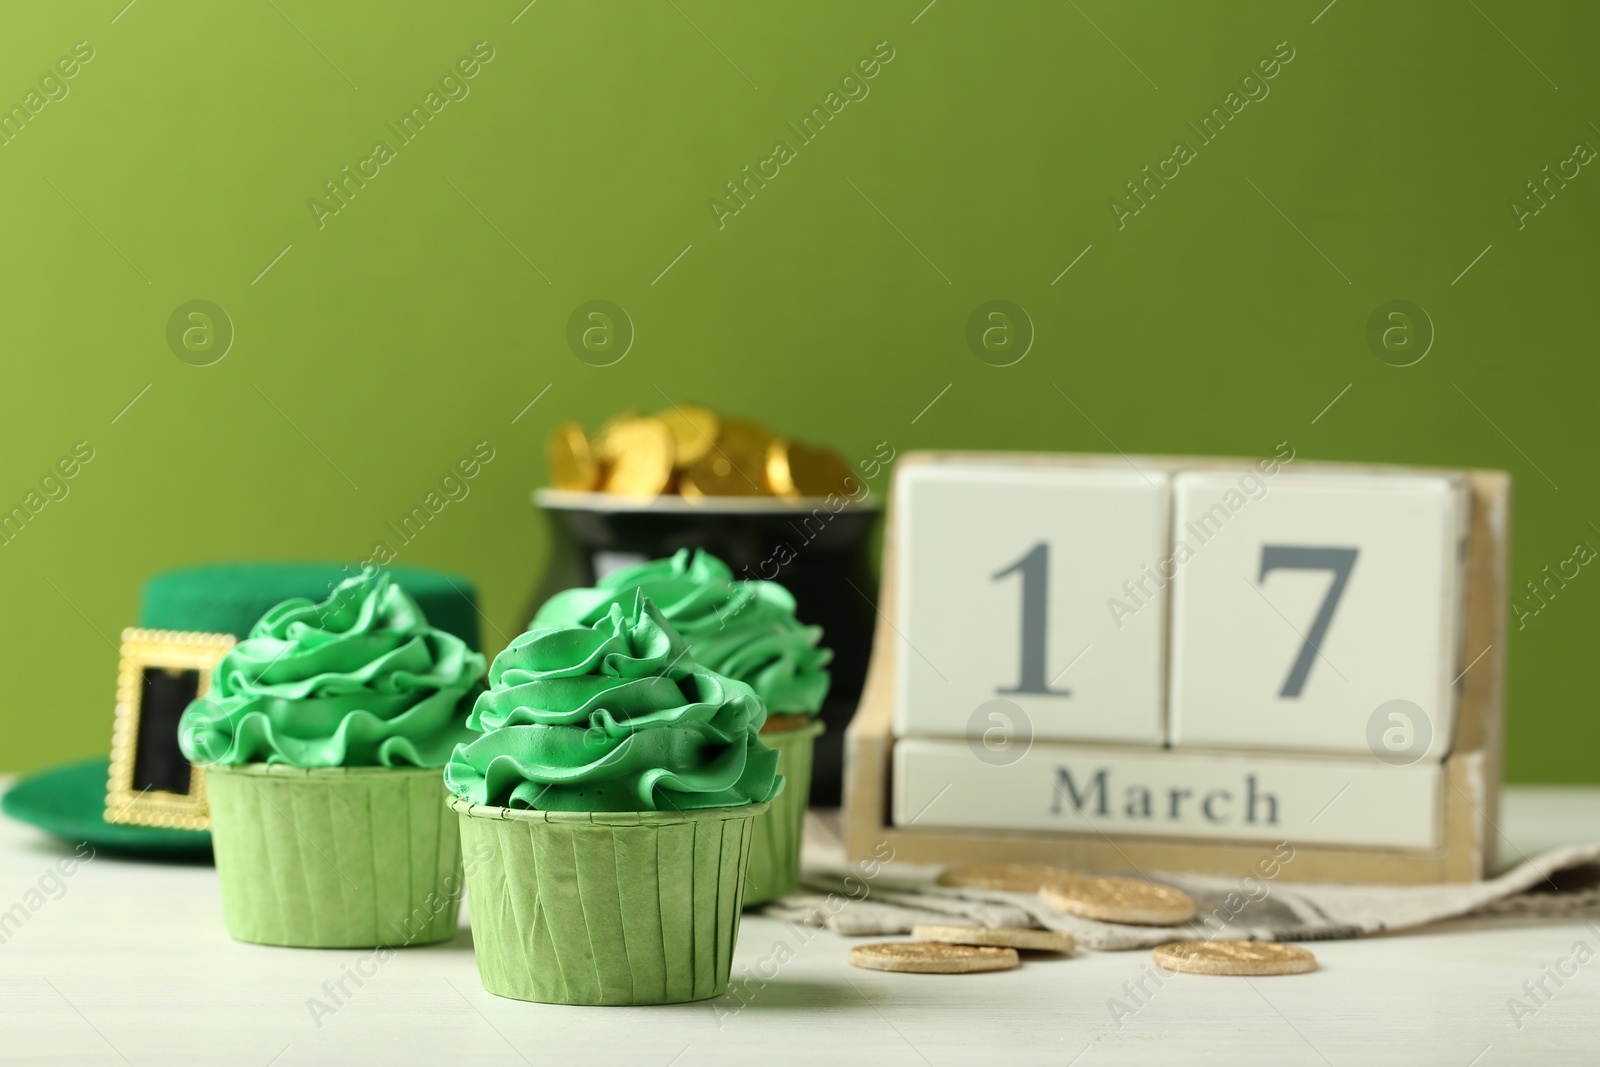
131 965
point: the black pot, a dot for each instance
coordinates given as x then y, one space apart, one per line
818 554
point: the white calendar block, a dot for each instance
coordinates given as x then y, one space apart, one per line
1117 791
1316 612
1005 575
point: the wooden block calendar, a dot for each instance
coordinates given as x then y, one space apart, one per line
1173 663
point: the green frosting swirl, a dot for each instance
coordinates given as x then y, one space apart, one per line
358 680
746 630
613 717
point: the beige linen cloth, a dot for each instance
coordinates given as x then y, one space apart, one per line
1560 883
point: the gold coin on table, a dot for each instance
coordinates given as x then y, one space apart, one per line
694 431
1249 958
796 470
1009 877
997 936
1118 900
572 464
641 461
735 467
931 957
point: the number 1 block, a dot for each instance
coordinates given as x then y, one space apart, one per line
1028 605
1316 612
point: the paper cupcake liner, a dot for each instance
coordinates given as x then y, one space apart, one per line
605 908
339 857
775 853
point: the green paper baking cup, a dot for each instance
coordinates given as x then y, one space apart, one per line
775 853
335 857
605 907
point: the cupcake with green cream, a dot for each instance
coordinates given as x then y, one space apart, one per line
615 785
746 630
321 736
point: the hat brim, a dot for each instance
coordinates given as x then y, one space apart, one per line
69 802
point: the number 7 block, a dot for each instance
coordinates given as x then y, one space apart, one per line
1316 612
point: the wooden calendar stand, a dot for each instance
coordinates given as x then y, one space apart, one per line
1470 782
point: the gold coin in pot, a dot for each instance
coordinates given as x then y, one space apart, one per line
572 463
715 475
746 441
795 470
604 448
640 459
694 431
735 467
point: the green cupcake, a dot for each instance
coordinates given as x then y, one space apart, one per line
745 630
614 786
321 736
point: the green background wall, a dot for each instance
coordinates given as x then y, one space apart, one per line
428 313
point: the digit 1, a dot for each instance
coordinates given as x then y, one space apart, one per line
1035 570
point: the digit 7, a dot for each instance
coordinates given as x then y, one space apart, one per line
1295 557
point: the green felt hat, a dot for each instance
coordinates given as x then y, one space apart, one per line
217 598
228 598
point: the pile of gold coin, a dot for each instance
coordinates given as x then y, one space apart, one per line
693 452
